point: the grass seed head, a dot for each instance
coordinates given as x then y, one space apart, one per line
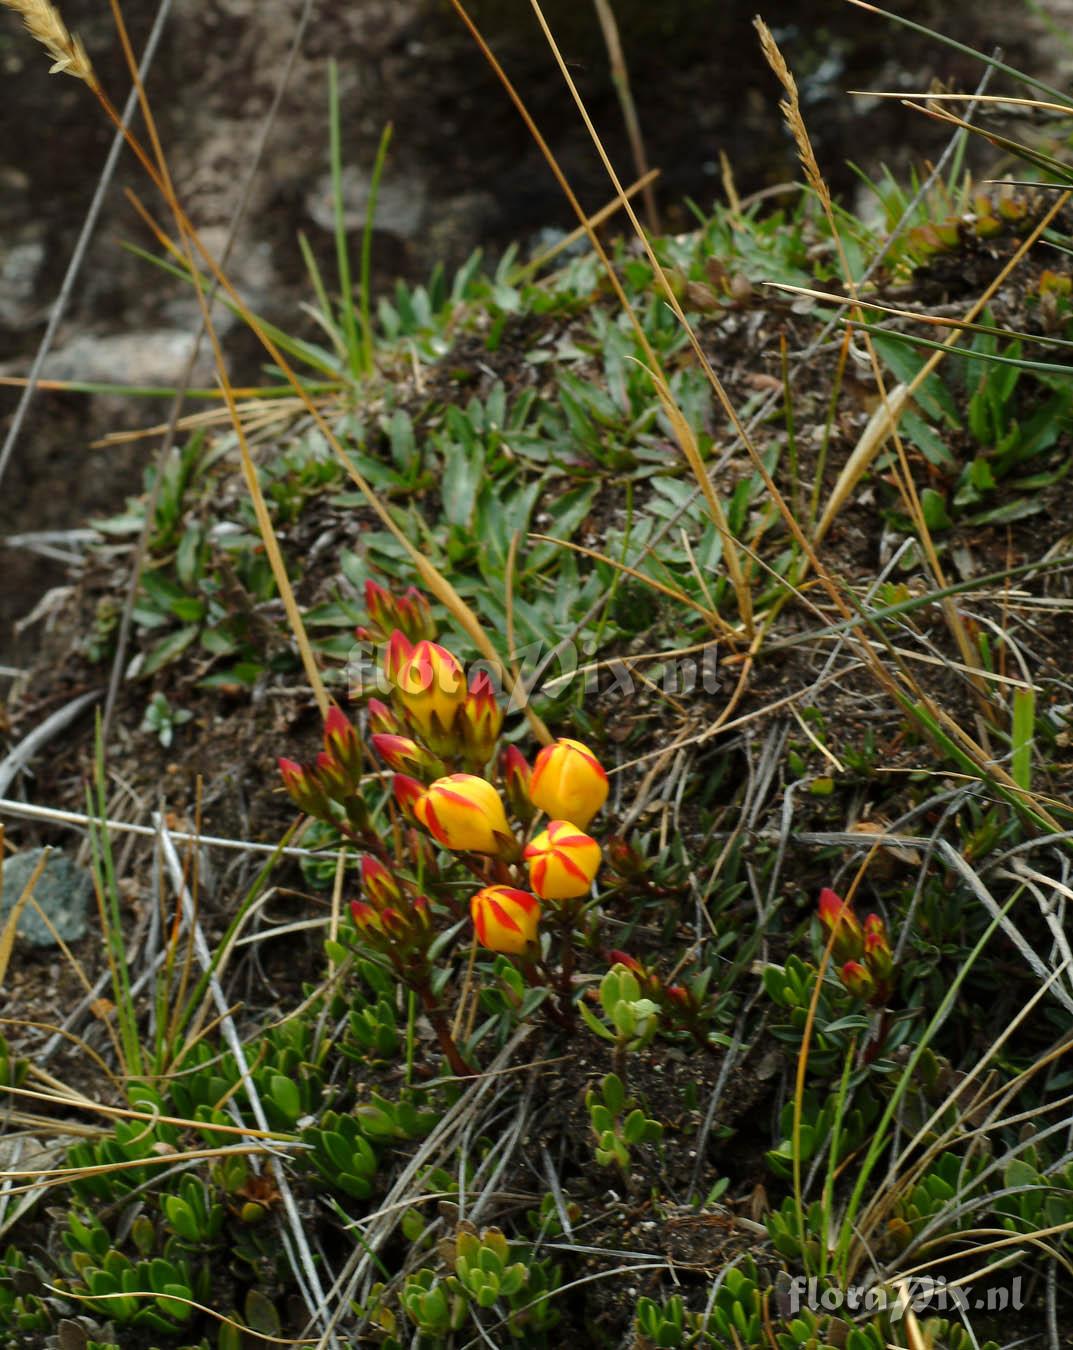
45 25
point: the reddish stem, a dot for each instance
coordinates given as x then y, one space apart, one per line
459 1067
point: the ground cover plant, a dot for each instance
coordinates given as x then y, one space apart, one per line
601 727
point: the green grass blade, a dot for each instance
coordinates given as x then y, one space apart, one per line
104 879
301 351
347 315
1024 727
881 1134
367 251
992 61
1022 363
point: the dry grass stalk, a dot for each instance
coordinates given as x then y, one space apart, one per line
893 403
44 24
791 111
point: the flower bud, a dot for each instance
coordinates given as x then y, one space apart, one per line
480 720
305 789
367 918
464 813
515 772
857 980
342 745
414 615
408 792
562 861
838 918
378 883
616 957
380 606
382 721
505 919
398 651
432 688
568 782
623 858
878 956
404 755
332 777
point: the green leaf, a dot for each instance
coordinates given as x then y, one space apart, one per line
169 649
1024 729
260 1313
933 507
614 1093
181 1218
593 1022
285 1095
633 1127
462 473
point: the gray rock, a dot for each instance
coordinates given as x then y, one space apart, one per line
400 202
62 891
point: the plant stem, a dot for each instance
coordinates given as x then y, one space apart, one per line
459 1067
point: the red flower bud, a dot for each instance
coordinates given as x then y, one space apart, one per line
617 958
305 789
397 652
367 918
857 980
623 858
400 753
515 773
480 720
378 883
332 777
877 951
382 721
408 792
838 918
380 606
342 745
414 616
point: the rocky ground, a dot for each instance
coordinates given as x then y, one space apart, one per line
462 173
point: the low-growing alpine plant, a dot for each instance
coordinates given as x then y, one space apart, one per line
469 831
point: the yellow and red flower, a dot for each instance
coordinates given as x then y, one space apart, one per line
431 687
505 919
562 861
568 782
464 813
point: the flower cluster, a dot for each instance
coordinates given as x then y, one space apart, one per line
863 953
437 735
329 789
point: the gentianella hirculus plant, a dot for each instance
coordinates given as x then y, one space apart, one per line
456 809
